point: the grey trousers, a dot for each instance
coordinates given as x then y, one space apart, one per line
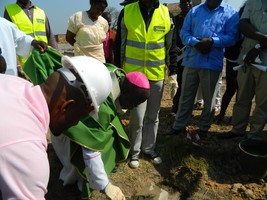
192 78
251 83
144 121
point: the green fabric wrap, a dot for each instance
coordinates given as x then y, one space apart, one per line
106 135
40 65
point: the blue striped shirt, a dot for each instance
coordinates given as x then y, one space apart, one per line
220 24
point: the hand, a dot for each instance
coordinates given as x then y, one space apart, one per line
42 46
204 45
22 74
173 85
114 193
251 56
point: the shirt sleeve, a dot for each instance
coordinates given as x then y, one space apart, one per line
124 33
50 36
22 41
230 34
72 24
186 33
246 12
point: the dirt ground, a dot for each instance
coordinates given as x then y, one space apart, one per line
210 172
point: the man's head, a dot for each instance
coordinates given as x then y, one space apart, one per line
149 3
126 2
212 4
185 6
24 2
2 63
75 91
135 89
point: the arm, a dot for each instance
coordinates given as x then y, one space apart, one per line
117 45
124 33
250 31
70 37
230 34
72 30
186 33
6 16
50 36
97 175
171 49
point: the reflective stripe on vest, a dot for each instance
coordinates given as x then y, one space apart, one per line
145 50
36 29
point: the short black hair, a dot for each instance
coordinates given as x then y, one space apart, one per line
99 1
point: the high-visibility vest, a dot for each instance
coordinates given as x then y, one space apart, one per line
36 28
145 50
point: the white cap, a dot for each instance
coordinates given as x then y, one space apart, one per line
95 77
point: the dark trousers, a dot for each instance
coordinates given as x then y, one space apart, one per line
175 100
231 86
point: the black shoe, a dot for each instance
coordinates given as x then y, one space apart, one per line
218 119
229 135
198 106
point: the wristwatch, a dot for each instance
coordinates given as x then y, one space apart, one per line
258 46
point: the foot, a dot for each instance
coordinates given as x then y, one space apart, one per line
154 157
218 119
134 163
198 106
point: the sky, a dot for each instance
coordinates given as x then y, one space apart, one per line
58 11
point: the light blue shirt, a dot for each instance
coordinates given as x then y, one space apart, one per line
220 24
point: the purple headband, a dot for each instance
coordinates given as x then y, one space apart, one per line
139 79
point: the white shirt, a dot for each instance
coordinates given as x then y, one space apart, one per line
13 42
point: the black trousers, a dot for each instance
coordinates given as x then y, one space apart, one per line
231 86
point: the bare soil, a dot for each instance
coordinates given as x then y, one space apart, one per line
212 171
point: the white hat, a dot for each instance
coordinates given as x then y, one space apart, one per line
95 77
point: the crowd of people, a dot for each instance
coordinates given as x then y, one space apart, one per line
80 99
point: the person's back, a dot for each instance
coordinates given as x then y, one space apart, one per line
20 100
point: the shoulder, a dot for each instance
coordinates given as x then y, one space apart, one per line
228 8
6 23
102 21
253 4
77 14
